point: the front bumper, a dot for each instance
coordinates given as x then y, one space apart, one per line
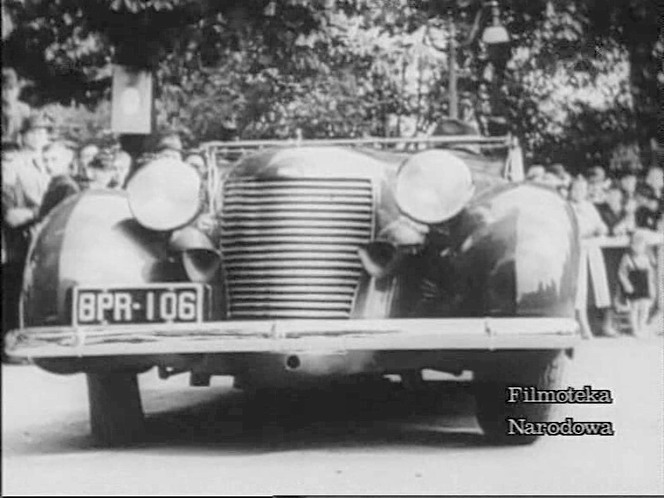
276 336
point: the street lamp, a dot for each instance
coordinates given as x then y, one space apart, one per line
495 36
496 33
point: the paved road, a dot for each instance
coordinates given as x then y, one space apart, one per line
214 441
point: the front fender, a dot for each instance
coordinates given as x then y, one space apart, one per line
517 254
90 239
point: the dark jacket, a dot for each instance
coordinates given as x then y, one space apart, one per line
610 217
60 187
15 240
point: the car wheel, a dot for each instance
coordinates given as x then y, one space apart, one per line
493 411
116 414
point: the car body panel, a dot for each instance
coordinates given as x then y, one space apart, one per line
91 239
499 276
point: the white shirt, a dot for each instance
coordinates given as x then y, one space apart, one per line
590 222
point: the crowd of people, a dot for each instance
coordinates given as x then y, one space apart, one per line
40 171
622 205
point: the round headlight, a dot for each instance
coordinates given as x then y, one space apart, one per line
433 186
165 194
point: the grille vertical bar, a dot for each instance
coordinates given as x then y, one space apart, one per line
290 245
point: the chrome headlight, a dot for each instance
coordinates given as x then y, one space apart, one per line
433 186
165 194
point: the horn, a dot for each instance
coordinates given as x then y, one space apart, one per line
201 265
380 258
199 258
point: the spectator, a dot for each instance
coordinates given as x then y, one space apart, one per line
593 270
612 212
19 214
590 222
636 274
121 168
628 183
647 213
535 173
85 154
14 112
551 180
655 180
30 170
101 171
539 175
597 185
170 146
58 159
565 179
9 153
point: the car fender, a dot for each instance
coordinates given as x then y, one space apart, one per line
90 239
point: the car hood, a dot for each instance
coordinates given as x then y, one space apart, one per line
380 167
341 162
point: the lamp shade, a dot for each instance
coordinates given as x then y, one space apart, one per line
494 35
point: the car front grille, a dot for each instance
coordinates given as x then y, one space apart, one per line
290 245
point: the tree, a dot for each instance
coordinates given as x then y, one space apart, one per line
354 67
608 52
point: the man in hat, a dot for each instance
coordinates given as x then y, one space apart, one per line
19 214
31 173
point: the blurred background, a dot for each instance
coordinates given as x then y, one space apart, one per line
578 81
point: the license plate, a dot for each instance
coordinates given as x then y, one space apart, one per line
150 303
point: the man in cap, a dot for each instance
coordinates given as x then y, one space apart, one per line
31 173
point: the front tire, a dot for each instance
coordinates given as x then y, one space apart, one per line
493 411
116 413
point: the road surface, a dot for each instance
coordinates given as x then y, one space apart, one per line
216 441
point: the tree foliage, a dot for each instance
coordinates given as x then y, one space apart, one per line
581 77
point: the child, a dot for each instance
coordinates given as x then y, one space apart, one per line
636 274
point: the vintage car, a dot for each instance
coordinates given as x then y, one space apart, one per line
324 261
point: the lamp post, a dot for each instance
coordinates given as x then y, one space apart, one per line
496 33
494 36
453 95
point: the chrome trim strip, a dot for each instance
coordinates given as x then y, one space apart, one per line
290 198
313 183
297 335
288 263
297 207
236 224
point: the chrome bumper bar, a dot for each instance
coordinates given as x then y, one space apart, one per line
295 336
